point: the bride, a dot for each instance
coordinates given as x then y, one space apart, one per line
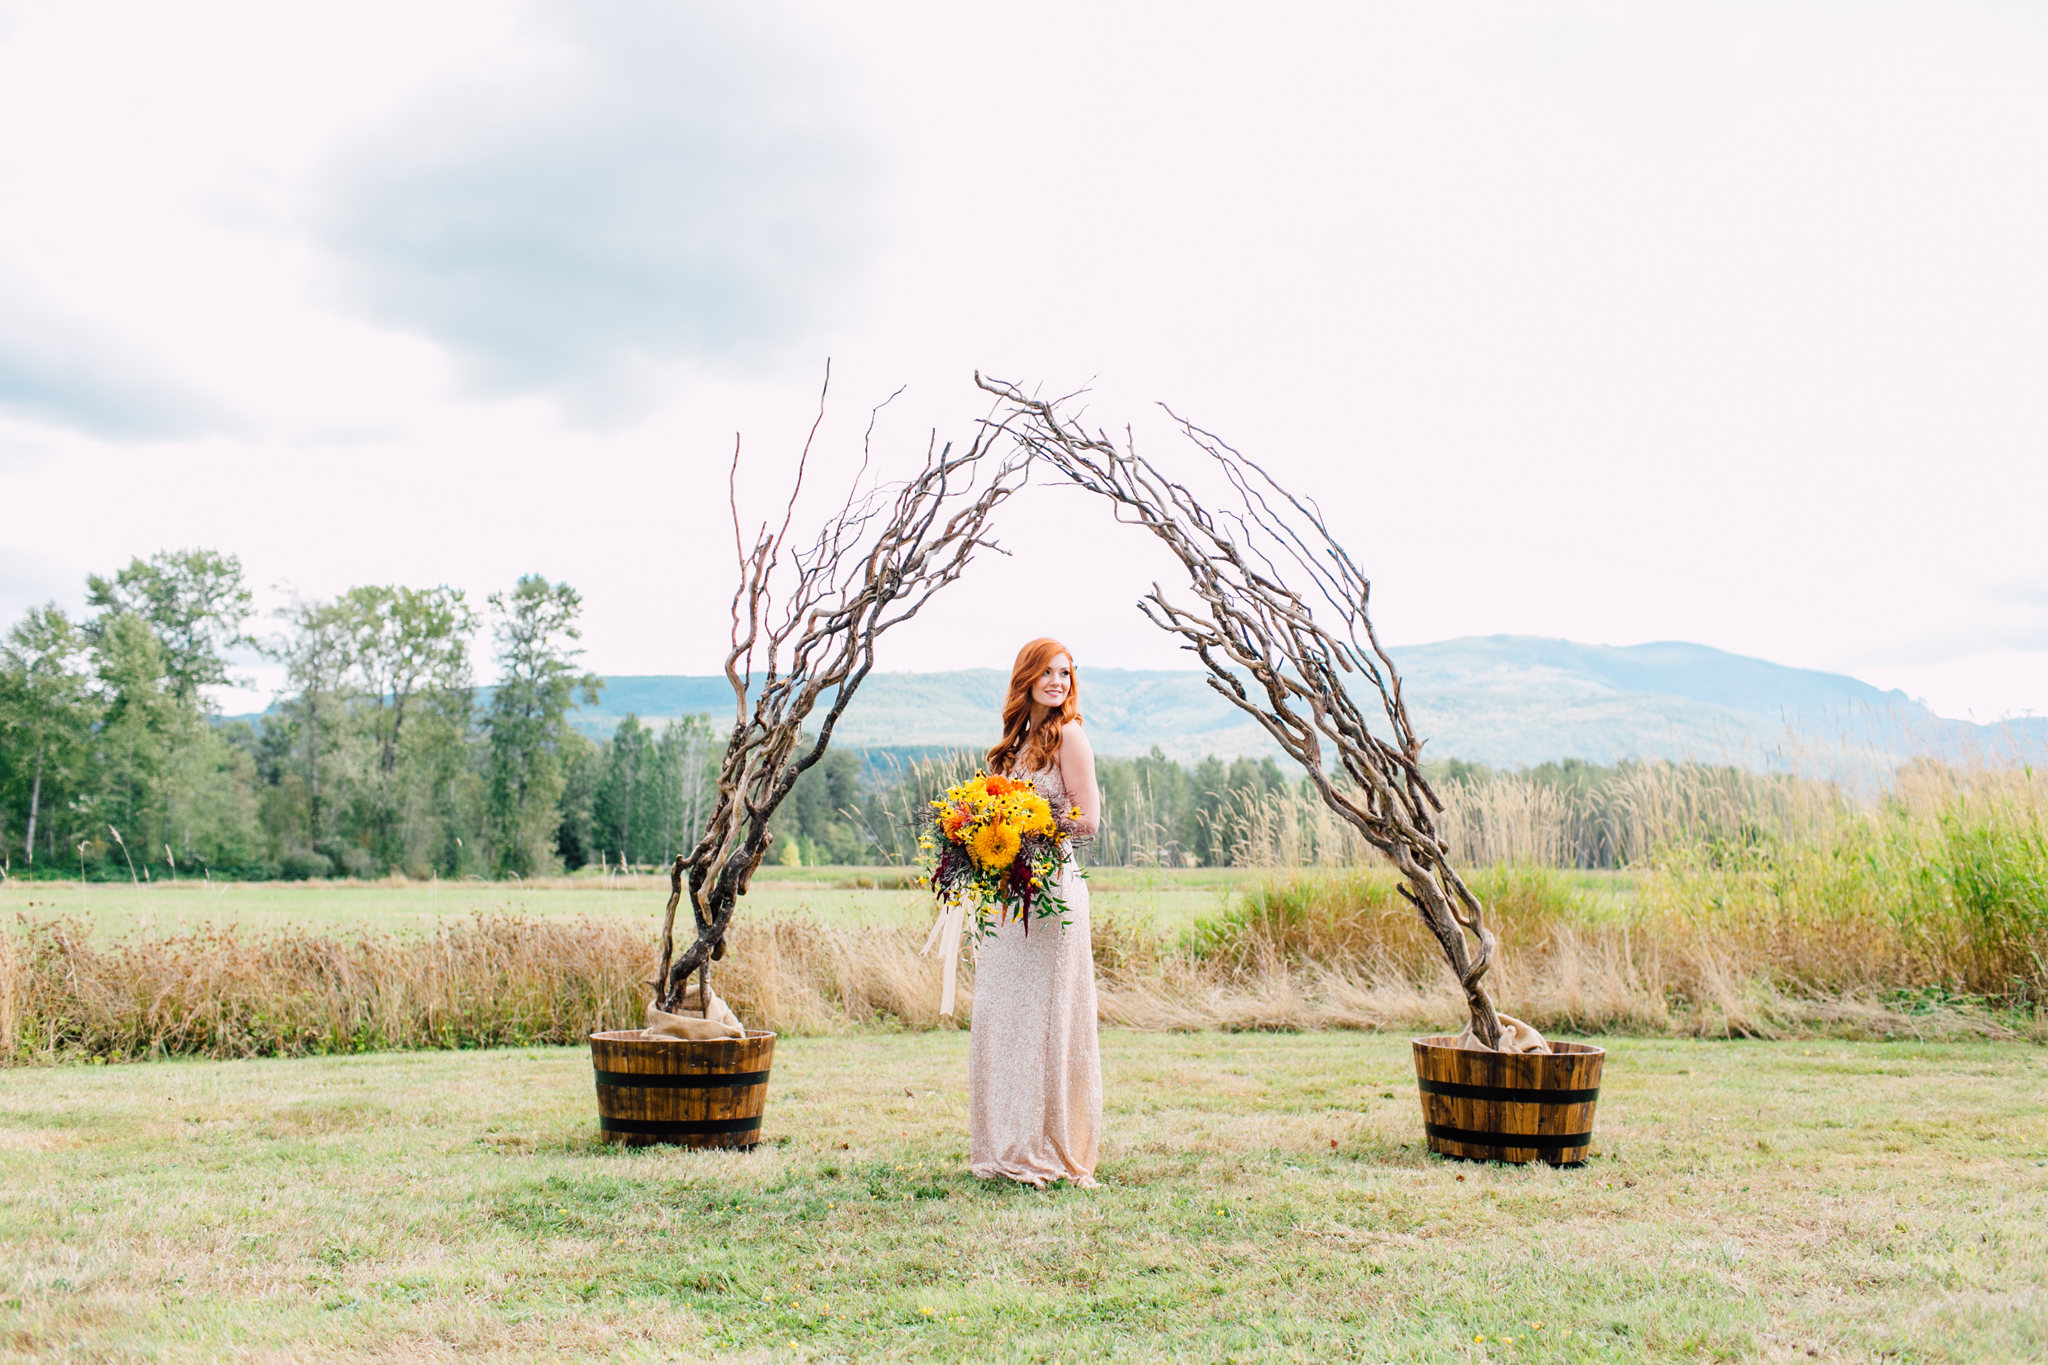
1034 1074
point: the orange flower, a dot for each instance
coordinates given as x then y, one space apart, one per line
999 786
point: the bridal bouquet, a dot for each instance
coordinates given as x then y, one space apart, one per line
996 843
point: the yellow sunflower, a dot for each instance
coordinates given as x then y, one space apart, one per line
995 845
1037 816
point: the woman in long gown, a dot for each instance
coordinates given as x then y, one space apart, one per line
1034 1071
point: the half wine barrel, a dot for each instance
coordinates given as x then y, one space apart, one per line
696 1094
1508 1106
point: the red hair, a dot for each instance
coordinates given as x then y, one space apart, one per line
1024 746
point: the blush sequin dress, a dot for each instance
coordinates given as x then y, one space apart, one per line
1034 1070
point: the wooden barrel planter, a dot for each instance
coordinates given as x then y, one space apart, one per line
1508 1106
693 1094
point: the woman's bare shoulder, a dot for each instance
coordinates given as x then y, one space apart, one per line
1072 735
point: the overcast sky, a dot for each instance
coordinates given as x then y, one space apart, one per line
1618 322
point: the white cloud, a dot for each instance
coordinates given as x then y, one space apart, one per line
648 182
1616 322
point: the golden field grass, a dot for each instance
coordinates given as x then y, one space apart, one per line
1333 950
1265 1198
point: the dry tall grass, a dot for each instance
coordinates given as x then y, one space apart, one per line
1513 819
1315 952
1760 898
1341 950
1762 905
483 981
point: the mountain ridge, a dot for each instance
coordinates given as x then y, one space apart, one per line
1506 701
1502 700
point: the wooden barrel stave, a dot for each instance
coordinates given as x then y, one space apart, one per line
693 1094
1474 1102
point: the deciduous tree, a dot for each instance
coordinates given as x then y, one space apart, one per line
195 603
538 681
46 705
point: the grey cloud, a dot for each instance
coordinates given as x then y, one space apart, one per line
61 370
685 187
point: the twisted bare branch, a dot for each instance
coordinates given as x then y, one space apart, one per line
1269 655
874 563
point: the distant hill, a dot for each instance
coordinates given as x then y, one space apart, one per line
1502 700
1507 701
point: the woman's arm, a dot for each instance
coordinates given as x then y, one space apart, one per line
1077 771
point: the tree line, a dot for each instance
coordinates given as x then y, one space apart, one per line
382 752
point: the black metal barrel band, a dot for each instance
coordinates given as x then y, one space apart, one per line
677 1127
1507 1094
1521 1142
712 1080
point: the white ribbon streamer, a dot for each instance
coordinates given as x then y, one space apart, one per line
945 936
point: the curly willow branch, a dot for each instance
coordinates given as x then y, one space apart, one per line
875 563
1268 654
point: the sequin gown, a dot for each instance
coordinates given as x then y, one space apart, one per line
1034 1069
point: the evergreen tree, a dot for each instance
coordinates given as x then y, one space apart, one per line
577 840
813 820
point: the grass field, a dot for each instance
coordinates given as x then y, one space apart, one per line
1265 1198
1169 900
115 908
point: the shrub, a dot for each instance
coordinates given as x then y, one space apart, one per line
300 864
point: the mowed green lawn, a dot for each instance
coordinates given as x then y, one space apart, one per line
1264 1198
1171 900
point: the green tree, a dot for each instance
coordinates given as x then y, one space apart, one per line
624 791
1212 792
409 648
406 643
143 724
318 652
527 725
159 638
46 706
1149 816
813 819
685 780
194 602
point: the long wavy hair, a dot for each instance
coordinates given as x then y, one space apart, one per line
1026 747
